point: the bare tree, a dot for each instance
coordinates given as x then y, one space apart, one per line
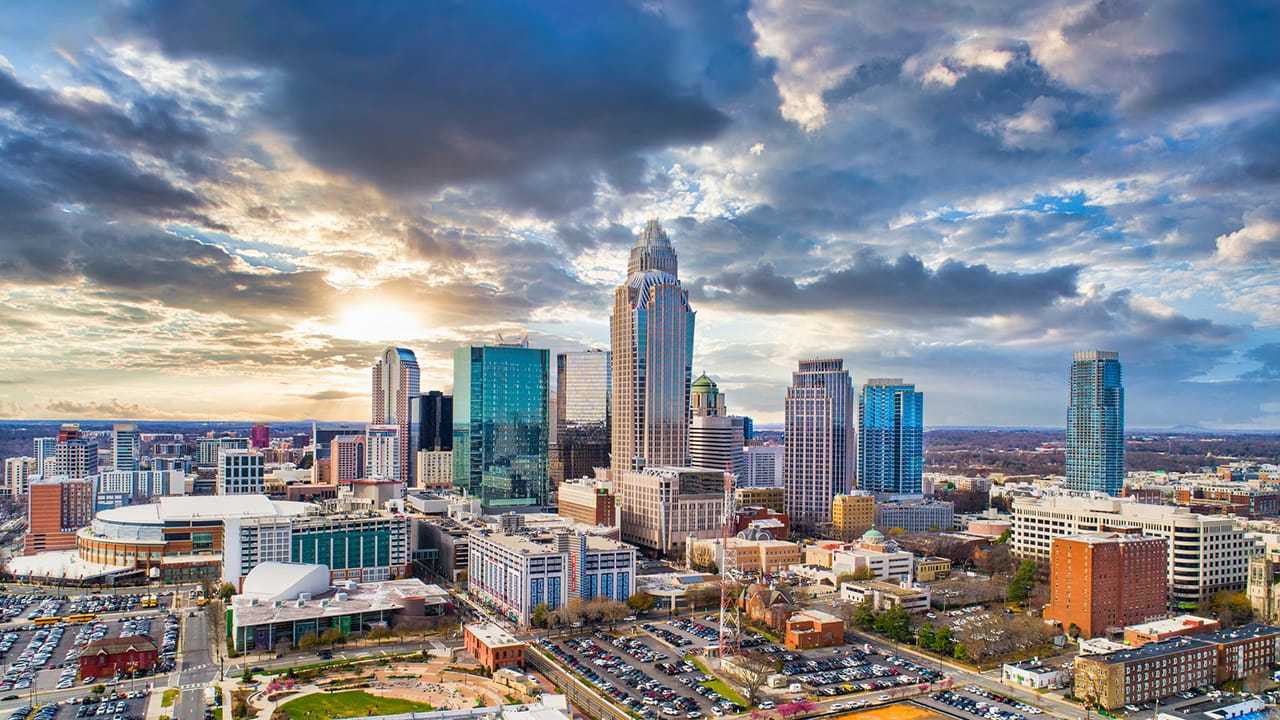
754 669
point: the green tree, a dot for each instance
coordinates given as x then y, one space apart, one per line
379 634
640 601
1004 536
1074 631
225 591
944 641
894 623
864 573
247 676
541 613
863 617
1022 581
960 653
925 635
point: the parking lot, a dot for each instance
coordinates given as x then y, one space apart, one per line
671 688
116 706
976 702
41 645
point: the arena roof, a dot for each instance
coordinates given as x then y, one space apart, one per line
186 508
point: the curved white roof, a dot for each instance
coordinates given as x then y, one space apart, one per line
284 581
203 507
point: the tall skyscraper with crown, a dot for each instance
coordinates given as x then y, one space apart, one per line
395 381
652 344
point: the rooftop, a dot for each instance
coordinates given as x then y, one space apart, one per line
364 597
1151 650
1173 624
184 508
1244 632
491 635
113 646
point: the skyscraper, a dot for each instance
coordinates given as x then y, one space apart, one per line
715 439
583 413
240 472
1095 423
431 439
890 437
818 454
75 456
395 381
382 453
500 424
652 340
126 446
44 450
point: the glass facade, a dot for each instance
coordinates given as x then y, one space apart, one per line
431 422
583 413
1095 423
890 438
500 428
817 459
652 341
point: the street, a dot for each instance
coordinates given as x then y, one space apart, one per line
195 667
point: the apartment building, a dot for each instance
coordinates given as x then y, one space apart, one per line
1151 671
1107 580
663 506
1207 553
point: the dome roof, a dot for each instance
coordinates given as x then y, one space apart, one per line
873 534
703 384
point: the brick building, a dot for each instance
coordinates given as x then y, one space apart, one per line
587 501
1247 650
492 646
1168 628
1154 670
813 628
1107 580
108 656
56 508
761 519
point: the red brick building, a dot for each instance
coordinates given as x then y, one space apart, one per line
492 646
56 509
1107 580
587 501
108 656
777 524
813 628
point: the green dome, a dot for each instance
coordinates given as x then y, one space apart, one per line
873 534
703 384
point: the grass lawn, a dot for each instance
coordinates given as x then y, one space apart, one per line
169 696
352 703
718 685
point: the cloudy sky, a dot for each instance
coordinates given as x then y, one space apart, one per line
223 209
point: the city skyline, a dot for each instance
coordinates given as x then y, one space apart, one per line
229 220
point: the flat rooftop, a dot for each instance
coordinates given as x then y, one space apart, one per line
1151 650
1244 632
365 597
1168 625
203 507
491 635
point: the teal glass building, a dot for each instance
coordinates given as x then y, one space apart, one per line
500 424
890 438
1095 423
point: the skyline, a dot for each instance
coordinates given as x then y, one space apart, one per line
220 211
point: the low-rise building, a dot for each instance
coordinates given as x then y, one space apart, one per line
1225 708
915 516
751 556
1161 630
884 595
878 554
929 569
1034 674
106 657
773 498
1246 650
813 628
1154 670
493 647
757 521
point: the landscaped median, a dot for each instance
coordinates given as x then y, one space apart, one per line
169 696
718 685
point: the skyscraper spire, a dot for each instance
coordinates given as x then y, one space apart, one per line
653 251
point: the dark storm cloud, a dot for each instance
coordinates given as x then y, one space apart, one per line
1269 356
424 94
905 287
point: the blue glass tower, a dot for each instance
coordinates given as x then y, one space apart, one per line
1095 423
890 437
500 428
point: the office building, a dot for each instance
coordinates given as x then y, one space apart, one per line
1168 628
435 470
75 455
664 506
811 629
126 446
587 501
652 343
1102 581
916 516
882 595
852 514
346 458
240 472
773 498
500 428
767 555
431 422
395 382
1207 554
877 553
18 472
1095 423
763 467
715 439
517 571
819 449
890 438
56 508
584 413
382 453
260 436
207 448
117 488
44 450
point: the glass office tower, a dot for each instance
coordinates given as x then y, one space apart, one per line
890 438
583 413
1095 423
500 428
818 454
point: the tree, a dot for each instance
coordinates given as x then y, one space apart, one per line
944 641
894 623
863 616
1073 630
704 596
225 591
613 611
1004 536
960 653
333 636
640 601
308 641
925 635
755 668
1022 581
247 677
541 615
864 573
379 634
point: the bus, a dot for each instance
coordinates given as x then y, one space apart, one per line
47 621
82 618
149 601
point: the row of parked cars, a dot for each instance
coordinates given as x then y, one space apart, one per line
44 713
104 603
35 656
1011 702
652 700
11 606
632 647
667 636
48 607
980 708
